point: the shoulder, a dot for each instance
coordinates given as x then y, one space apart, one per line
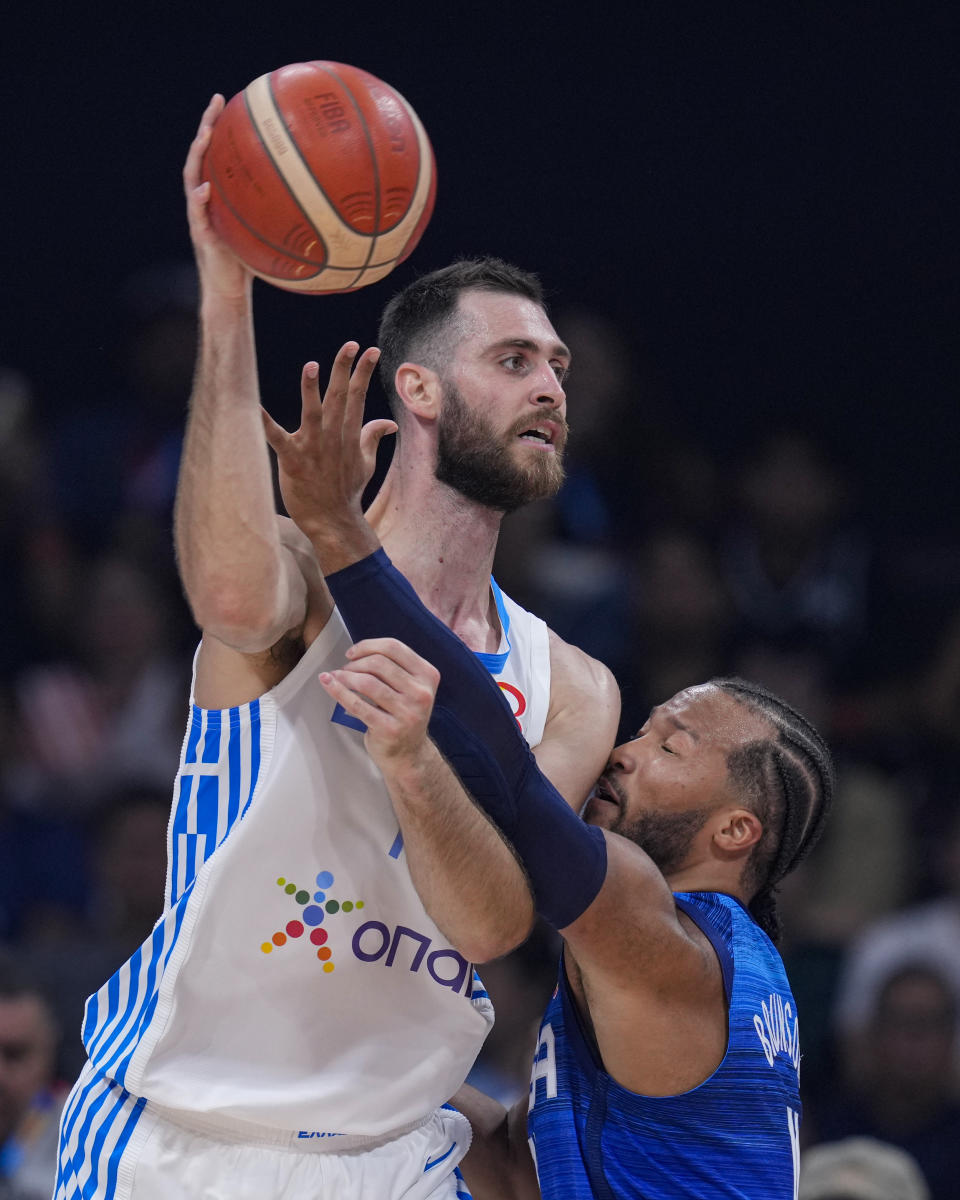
582 721
577 678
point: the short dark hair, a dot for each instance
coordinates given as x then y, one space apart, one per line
416 319
788 782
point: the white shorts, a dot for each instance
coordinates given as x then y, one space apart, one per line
114 1146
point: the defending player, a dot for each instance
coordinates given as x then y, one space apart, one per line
296 1020
668 1058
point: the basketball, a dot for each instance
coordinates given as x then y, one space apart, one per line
322 177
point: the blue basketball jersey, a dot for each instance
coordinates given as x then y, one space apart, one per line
736 1135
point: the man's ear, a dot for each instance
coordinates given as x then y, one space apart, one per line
740 830
419 390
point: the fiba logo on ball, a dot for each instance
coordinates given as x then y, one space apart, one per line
322 177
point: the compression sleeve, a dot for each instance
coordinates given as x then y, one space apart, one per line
473 727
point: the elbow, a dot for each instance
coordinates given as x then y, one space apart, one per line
247 619
487 945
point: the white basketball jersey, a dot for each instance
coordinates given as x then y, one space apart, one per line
294 979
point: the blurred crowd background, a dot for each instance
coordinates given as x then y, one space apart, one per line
745 217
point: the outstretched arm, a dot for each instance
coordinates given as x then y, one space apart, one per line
242 585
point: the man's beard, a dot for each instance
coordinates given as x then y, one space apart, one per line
475 462
664 837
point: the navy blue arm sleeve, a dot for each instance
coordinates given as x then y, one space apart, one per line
473 727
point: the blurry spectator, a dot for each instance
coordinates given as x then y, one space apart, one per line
681 622
795 566
860 1169
858 872
938 696
899 1080
117 462
72 953
927 933
113 709
560 557
37 559
30 1101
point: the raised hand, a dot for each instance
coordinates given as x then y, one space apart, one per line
327 462
221 273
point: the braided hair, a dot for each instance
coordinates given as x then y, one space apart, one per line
788 782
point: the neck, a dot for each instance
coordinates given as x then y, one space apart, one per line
444 544
690 879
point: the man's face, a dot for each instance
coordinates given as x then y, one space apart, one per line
660 789
502 425
26 1058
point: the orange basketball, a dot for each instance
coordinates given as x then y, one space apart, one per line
322 177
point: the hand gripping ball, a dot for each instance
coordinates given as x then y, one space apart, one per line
322 177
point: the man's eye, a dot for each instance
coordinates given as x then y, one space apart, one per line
666 748
560 371
514 362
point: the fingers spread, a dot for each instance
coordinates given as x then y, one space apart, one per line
335 396
277 437
310 392
357 392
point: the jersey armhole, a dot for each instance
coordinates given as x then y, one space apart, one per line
720 945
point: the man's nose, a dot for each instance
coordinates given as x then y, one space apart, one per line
549 390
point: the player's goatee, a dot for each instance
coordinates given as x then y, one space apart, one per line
476 461
665 837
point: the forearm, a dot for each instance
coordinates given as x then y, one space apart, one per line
464 871
231 561
564 859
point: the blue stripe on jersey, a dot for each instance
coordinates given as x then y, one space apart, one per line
211 738
129 1024
196 728
208 808
118 1064
496 662
113 1163
217 781
477 989
254 707
234 747
88 1167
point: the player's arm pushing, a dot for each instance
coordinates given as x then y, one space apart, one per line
465 873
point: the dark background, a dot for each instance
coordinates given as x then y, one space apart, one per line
759 199
764 196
